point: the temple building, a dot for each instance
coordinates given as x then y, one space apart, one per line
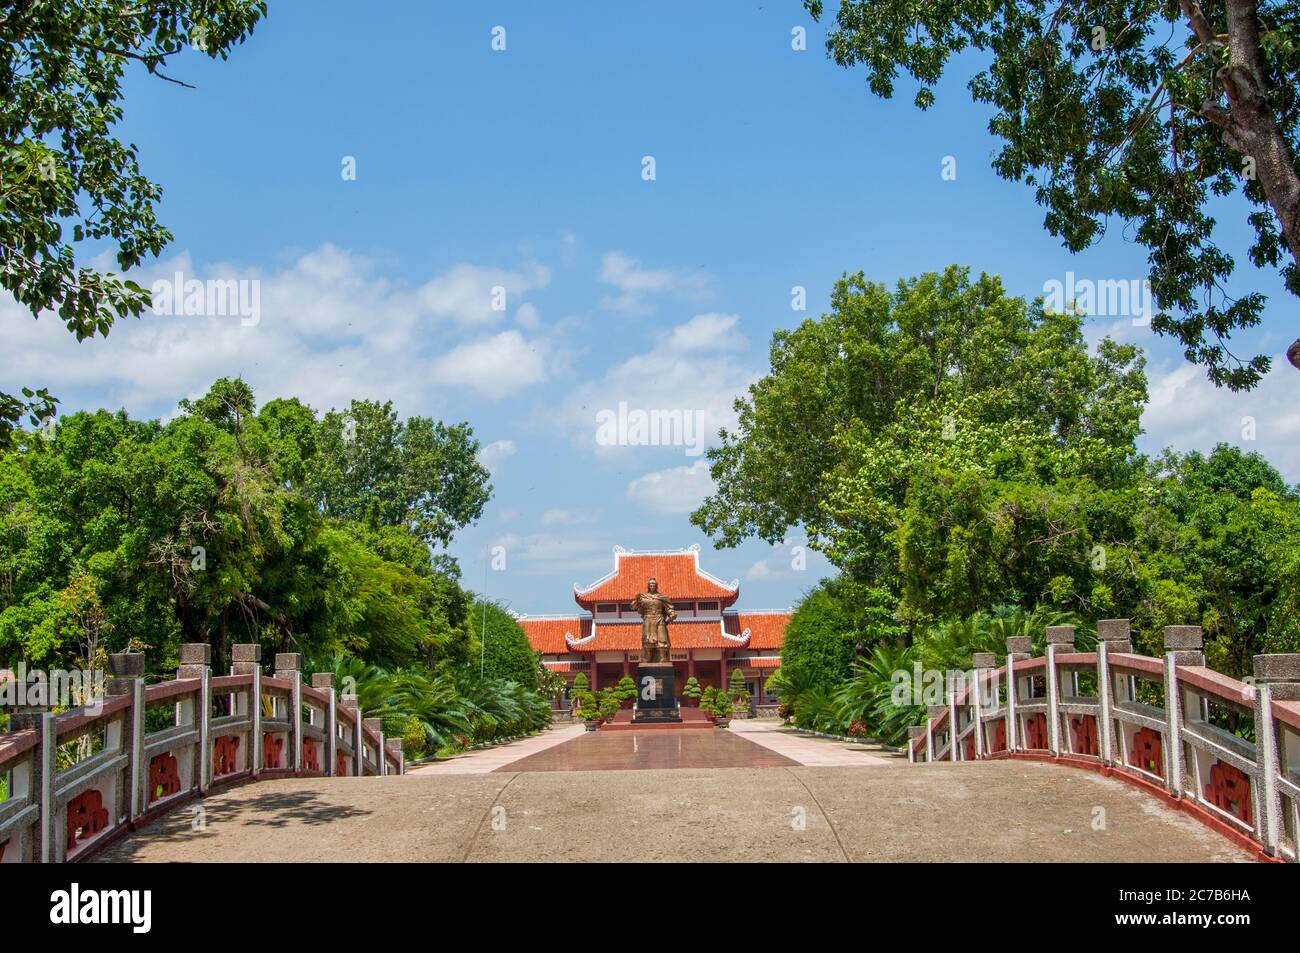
710 638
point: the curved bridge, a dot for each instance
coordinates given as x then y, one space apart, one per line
832 802
80 779
1146 721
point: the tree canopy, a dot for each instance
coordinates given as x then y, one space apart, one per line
1141 111
67 178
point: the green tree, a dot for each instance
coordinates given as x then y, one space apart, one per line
1142 112
379 470
879 356
62 168
508 654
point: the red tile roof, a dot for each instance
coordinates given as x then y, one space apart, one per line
546 633
766 629
766 662
678 574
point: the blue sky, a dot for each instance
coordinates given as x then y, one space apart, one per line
522 169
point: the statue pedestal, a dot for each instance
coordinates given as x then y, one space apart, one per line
662 707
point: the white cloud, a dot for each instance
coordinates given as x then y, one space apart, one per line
759 571
495 366
637 283
702 386
527 316
544 554
674 491
558 517
331 329
496 453
473 295
1187 412
707 332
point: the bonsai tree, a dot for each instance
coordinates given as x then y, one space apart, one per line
625 691
721 704
581 683
607 702
738 689
691 691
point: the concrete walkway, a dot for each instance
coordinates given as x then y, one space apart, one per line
811 751
985 811
488 760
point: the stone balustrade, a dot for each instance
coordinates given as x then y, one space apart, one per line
1144 720
140 751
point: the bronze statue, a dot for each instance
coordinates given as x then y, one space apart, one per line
656 611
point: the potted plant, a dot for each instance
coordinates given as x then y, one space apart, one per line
625 691
691 691
707 697
721 709
607 703
590 717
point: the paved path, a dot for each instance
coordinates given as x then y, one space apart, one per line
487 760
987 811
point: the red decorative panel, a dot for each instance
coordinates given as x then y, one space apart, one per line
164 777
1145 752
310 756
87 816
1229 791
968 747
1000 736
1036 731
340 764
271 749
225 751
1084 732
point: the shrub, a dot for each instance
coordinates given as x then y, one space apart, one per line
738 689
625 690
818 649
581 684
692 688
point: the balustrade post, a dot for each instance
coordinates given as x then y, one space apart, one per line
246 659
288 667
983 663
377 726
933 711
324 681
1059 637
1113 635
358 746
196 662
395 745
1019 648
952 719
1182 647
913 733
126 677
1277 678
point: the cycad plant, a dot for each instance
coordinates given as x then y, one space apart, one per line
868 696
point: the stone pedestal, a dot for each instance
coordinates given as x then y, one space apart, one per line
660 704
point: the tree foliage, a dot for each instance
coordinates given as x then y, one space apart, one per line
65 177
1135 110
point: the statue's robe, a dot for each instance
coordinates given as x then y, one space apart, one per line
656 611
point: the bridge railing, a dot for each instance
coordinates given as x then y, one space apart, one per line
76 779
1154 722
